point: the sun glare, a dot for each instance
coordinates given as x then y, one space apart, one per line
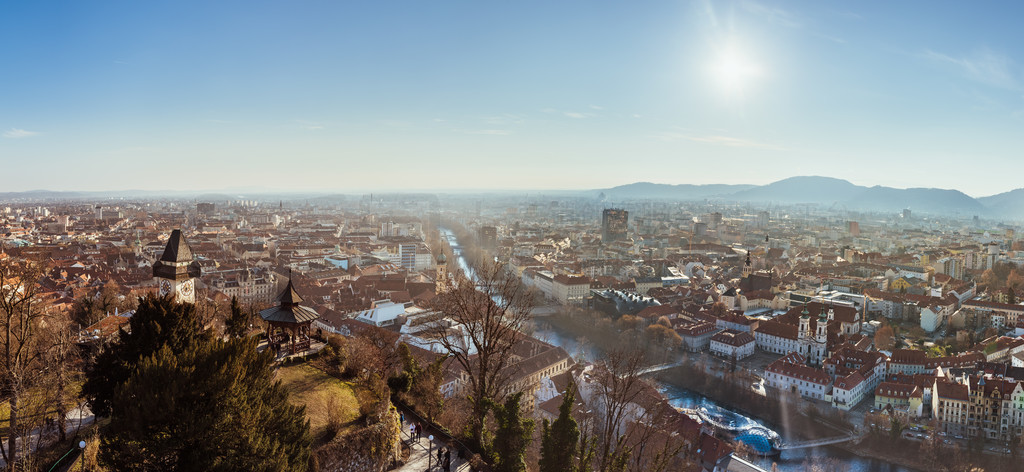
733 71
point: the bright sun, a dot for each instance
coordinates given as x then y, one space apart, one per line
734 71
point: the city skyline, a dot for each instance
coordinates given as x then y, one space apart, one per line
527 97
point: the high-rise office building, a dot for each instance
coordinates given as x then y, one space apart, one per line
488 237
614 222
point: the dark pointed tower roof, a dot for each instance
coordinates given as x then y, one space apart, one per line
177 261
177 249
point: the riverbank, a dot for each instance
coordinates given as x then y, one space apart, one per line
903 460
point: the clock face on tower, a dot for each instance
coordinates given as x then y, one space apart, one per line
165 287
186 288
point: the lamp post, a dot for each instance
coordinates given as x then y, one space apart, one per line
81 445
430 451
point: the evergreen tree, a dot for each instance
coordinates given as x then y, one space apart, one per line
157 322
417 386
561 438
237 323
212 407
513 435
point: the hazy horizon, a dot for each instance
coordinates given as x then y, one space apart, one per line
256 190
527 96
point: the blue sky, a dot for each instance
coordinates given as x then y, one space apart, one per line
355 96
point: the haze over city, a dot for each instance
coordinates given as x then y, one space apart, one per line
529 95
528 236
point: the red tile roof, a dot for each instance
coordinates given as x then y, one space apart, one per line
733 338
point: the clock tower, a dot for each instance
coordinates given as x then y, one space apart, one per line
176 270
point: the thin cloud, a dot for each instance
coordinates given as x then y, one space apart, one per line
504 119
834 39
18 133
572 114
596 107
984 66
772 14
485 132
720 140
788 19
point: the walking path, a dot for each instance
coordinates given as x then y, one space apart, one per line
420 450
77 418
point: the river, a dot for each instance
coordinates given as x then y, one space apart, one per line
789 461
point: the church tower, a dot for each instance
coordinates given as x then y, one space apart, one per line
820 341
822 329
805 324
747 267
441 277
176 269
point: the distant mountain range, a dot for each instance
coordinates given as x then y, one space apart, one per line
825 192
833 193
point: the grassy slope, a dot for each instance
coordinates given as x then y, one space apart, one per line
322 395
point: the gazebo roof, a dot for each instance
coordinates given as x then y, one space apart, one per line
289 296
292 315
288 309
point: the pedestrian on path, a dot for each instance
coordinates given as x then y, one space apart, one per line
448 460
440 455
401 417
419 431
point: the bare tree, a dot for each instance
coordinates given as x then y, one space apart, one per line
480 331
655 443
63 364
22 349
619 388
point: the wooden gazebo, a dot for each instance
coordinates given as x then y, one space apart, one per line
289 322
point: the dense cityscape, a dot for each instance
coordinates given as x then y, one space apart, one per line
673 335
531 236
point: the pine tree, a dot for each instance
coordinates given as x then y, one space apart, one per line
561 438
237 323
156 323
213 407
513 435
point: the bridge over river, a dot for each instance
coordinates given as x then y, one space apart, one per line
762 439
